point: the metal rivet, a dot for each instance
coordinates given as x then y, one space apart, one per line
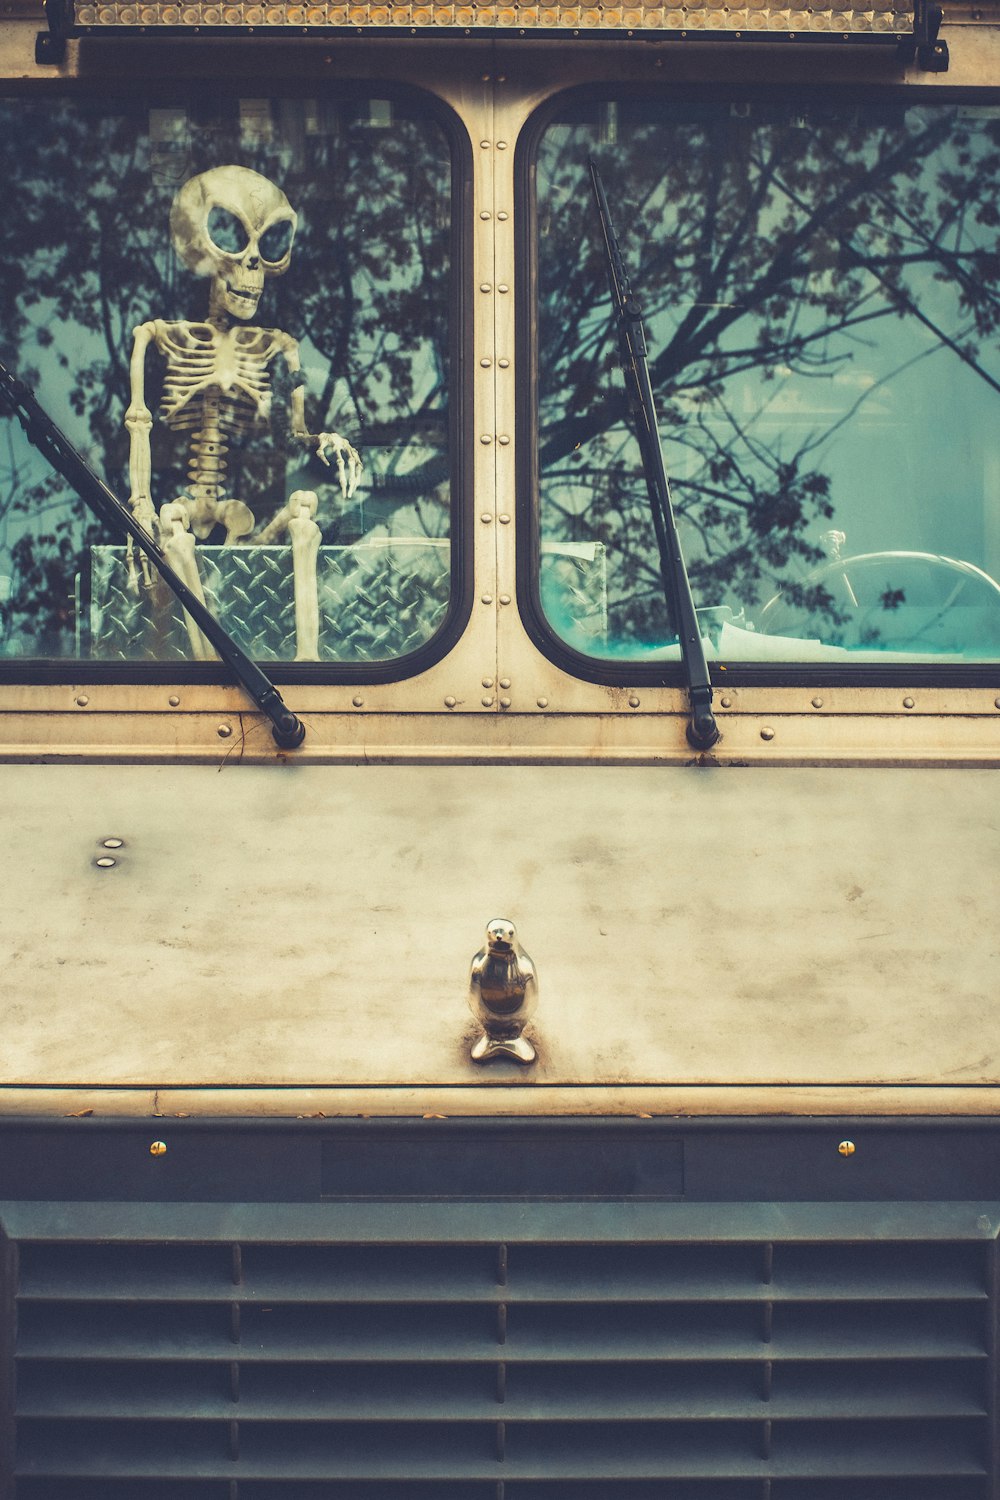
158 1148
450 702
501 145
505 703
847 1148
487 702
486 518
358 702
767 733
504 519
504 364
726 702
485 145
487 682
505 682
502 287
487 598
907 702
542 702
634 700
82 700
174 701
503 440
485 286
486 214
504 598
817 703
105 862
112 843
486 363
503 215
996 702
486 438
224 731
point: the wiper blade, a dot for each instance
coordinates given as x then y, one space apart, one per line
702 731
18 401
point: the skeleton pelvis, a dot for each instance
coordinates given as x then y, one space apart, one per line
205 514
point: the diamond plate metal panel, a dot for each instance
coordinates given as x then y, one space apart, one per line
378 600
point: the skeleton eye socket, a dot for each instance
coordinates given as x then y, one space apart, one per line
276 241
227 232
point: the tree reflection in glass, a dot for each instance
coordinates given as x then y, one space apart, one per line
822 292
88 256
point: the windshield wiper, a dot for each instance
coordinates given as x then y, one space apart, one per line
702 731
20 402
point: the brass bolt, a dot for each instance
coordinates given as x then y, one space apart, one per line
847 1148
158 1148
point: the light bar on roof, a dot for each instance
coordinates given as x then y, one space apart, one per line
682 18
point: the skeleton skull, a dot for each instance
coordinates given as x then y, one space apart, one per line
234 225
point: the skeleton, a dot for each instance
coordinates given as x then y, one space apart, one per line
234 226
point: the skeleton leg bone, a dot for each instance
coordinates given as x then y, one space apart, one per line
305 535
179 550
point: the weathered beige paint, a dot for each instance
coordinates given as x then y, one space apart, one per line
304 926
290 934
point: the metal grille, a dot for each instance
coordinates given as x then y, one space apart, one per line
410 1365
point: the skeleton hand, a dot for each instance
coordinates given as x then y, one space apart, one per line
349 464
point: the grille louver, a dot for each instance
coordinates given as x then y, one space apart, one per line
513 1368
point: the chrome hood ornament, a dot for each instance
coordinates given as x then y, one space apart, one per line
503 994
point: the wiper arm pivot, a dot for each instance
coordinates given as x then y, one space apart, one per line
702 731
18 401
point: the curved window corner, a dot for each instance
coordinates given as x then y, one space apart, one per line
244 312
820 284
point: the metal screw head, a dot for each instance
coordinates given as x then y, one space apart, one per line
847 1148
158 1148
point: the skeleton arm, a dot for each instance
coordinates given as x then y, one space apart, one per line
349 464
138 421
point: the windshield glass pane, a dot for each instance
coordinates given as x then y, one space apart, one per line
821 288
239 309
